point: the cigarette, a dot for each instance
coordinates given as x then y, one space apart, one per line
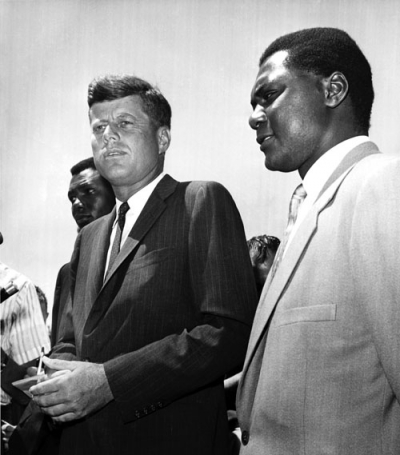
40 361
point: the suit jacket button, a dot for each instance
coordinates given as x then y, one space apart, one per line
245 437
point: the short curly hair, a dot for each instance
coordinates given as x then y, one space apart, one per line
88 163
261 246
323 50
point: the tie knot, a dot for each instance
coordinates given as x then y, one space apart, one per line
297 198
121 214
300 192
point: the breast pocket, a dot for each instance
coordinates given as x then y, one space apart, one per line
315 313
153 257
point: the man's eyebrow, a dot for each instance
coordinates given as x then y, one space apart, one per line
125 114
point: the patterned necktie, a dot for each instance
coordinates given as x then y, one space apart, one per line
298 197
117 240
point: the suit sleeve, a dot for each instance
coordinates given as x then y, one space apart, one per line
376 251
64 340
223 291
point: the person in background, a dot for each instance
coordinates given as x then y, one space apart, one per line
91 197
163 296
262 250
43 302
322 371
23 335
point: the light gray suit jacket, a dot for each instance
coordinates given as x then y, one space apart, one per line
322 371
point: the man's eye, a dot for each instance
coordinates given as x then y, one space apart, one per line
99 128
267 96
124 124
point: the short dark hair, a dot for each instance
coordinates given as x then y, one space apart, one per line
88 163
260 245
324 50
112 87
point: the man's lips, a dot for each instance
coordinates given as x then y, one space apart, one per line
264 140
113 152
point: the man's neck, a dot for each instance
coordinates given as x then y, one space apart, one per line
123 193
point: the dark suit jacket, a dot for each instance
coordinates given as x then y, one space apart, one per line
170 320
61 297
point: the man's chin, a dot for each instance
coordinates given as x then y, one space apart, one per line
83 222
273 166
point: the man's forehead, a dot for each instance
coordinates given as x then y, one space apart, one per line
84 177
273 67
116 107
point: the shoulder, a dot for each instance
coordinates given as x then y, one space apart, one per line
64 269
378 171
209 188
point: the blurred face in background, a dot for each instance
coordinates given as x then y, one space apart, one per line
90 197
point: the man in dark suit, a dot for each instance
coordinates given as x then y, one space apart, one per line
156 327
91 197
322 371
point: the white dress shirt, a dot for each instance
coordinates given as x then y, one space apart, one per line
319 173
136 205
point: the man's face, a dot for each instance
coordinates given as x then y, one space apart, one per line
289 115
90 197
126 144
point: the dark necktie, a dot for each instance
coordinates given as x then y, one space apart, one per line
298 197
118 234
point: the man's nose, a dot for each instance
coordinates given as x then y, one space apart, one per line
258 116
110 133
77 204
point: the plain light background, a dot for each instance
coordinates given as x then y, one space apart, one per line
203 55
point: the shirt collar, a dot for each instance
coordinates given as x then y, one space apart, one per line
320 171
138 200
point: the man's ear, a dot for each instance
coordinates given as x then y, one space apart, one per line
336 89
164 139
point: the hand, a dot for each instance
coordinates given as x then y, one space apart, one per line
6 431
74 390
31 371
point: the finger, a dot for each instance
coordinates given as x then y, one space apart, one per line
58 364
31 371
50 386
60 373
58 410
68 417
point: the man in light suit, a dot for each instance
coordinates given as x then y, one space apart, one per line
322 371
154 331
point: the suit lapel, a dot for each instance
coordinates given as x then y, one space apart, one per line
100 247
273 289
149 215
